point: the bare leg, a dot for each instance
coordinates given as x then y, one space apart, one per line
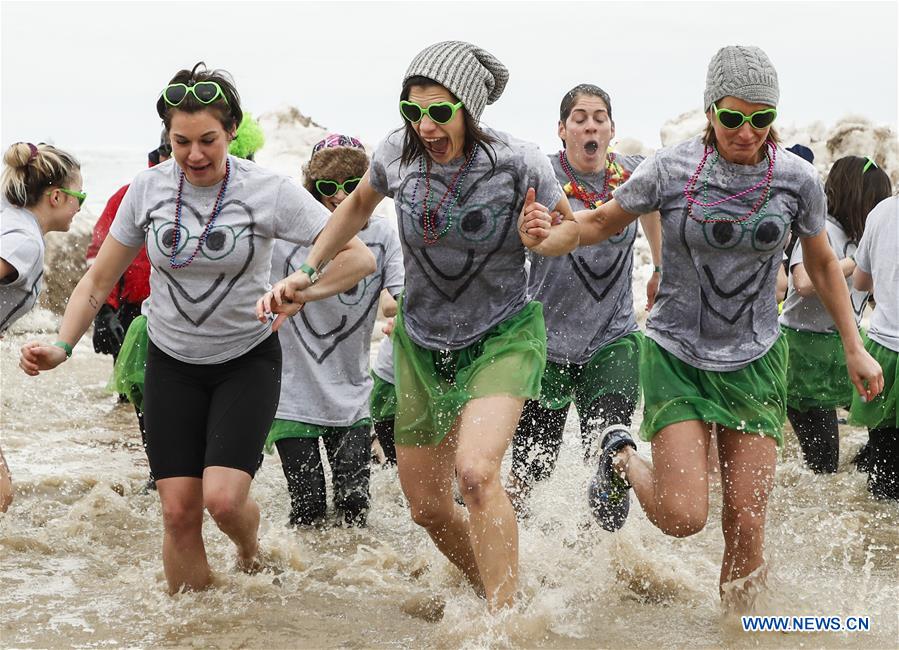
226 495
426 476
6 490
183 553
486 428
674 489
747 473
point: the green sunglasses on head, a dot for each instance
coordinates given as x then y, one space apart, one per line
870 163
327 187
205 92
78 195
731 119
439 112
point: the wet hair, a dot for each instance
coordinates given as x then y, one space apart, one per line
570 99
335 164
412 146
229 114
852 193
30 169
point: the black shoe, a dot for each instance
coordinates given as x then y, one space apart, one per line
608 495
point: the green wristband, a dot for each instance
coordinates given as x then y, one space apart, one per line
657 269
65 346
311 272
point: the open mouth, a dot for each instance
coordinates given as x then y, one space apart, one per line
591 147
438 146
199 169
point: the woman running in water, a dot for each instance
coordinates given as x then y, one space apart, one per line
209 221
713 353
817 382
42 192
325 385
592 339
469 347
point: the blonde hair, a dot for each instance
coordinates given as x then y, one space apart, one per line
30 169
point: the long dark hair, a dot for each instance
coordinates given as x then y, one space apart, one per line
412 147
229 114
852 192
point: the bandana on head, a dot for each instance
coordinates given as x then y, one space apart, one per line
333 140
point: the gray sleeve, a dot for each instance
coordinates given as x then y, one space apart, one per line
22 252
810 219
298 216
395 277
380 161
125 228
542 178
642 192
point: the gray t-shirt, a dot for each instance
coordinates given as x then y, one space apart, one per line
205 313
808 313
586 295
324 377
22 246
878 255
716 306
474 277
383 367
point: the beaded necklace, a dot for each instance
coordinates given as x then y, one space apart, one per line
579 190
758 207
430 219
215 213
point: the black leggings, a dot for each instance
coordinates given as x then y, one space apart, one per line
819 438
198 416
384 434
348 454
881 461
538 438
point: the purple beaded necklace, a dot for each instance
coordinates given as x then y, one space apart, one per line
209 224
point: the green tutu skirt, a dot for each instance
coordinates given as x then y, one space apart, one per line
131 364
881 412
816 371
383 399
752 399
433 386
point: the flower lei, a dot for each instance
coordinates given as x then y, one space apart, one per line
614 176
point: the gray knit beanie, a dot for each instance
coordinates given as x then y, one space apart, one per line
744 72
472 74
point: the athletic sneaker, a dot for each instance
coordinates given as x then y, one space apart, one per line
608 495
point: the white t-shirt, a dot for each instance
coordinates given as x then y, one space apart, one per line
22 246
878 255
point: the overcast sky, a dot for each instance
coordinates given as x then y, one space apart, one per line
86 75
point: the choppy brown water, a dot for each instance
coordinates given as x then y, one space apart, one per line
80 554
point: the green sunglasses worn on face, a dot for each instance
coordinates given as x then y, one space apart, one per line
78 195
205 92
327 187
440 112
759 120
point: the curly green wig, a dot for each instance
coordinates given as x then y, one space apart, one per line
248 139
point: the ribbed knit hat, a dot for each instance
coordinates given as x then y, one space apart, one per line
472 74
742 71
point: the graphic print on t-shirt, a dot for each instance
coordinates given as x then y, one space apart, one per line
600 280
730 285
320 331
221 242
476 227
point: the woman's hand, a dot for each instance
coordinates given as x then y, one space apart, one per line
36 356
285 299
535 220
388 328
865 373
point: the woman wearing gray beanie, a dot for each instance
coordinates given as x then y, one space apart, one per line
469 347
713 354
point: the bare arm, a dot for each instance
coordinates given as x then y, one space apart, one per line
388 304
87 298
603 222
862 281
548 234
803 283
830 284
652 228
7 271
